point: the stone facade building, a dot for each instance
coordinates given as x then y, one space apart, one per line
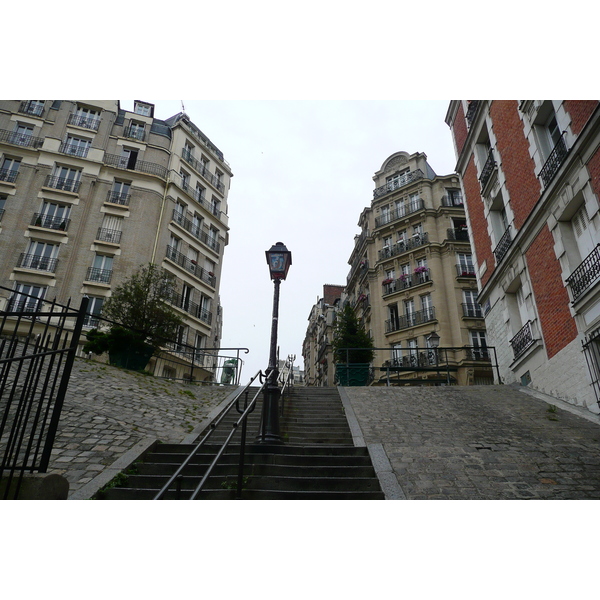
530 173
89 192
412 273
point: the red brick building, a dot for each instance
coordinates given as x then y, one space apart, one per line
530 172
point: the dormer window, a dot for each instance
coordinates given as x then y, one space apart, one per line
143 108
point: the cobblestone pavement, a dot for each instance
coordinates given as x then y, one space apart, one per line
109 411
481 442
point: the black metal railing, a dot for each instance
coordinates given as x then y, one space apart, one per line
35 261
9 175
98 275
586 274
555 160
410 320
399 213
201 168
522 340
503 245
50 222
30 107
20 139
488 169
74 149
472 111
62 183
458 234
118 198
465 271
135 133
406 281
36 357
452 200
191 307
199 232
82 121
112 236
191 265
401 182
122 162
472 310
419 239
198 196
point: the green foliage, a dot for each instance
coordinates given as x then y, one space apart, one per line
350 334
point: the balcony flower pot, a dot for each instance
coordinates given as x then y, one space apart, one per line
421 270
386 281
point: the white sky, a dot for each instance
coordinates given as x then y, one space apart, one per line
302 175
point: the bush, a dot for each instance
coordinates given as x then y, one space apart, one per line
350 334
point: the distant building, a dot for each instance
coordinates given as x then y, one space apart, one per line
89 192
317 350
530 172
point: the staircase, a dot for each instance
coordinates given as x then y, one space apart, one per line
316 461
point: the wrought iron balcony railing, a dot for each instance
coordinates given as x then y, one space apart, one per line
191 308
401 182
74 149
465 271
118 198
8 175
523 340
40 263
91 321
135 133
479 354
471 112
198 196
200 168
122 162
418 317
555 160
406 281
20 139
488 169
190 265
49 222
98 275
83 121
459 234
61 183
419 239
112 236
586 274
472 310
196 230
503 245
32 107
399 213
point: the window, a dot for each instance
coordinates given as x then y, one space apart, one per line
119 193
204 311
40 256
101 271
22 135
128 158
33 107
479 343
111 229
213 237
397 354
185 179
186 297
26 297
454 197
53 216
94 310
471 307
395 181
582 231
76 146
9 169
387 246
413 202
136 130
385 215
65 178
200 191
85 117
179 212
215 205
196 224
413 356
427 307
409 312
417 230
465 264
175 243
143 108
394 321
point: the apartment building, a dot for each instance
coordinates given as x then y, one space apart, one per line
412 273
89 192
317 350
530 172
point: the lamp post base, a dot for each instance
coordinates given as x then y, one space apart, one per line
269 433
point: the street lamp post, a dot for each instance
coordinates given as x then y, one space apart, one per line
279 259
433 339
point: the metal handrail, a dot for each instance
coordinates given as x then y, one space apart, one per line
248 408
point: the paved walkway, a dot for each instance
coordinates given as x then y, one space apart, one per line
480 442
111 415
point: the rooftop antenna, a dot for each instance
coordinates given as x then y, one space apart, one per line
182 106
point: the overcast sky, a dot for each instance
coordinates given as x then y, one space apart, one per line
302 175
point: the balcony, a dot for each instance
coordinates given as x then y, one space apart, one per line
191 308
83 121
200 168
452 200
458 234
488 169
405 281
32 107
399 213
419 239
586 274
478 354
403 181
465 271
61 183
503 246
555 160
48 222
472 310
98 275
196 230
118 198
91 321
74 149
472 112
112 236
198 196
190 265
523 340
135 133
20 139
361 268
8 175
410 320
37 262
122 162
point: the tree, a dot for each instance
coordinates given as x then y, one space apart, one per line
138 306
350 334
